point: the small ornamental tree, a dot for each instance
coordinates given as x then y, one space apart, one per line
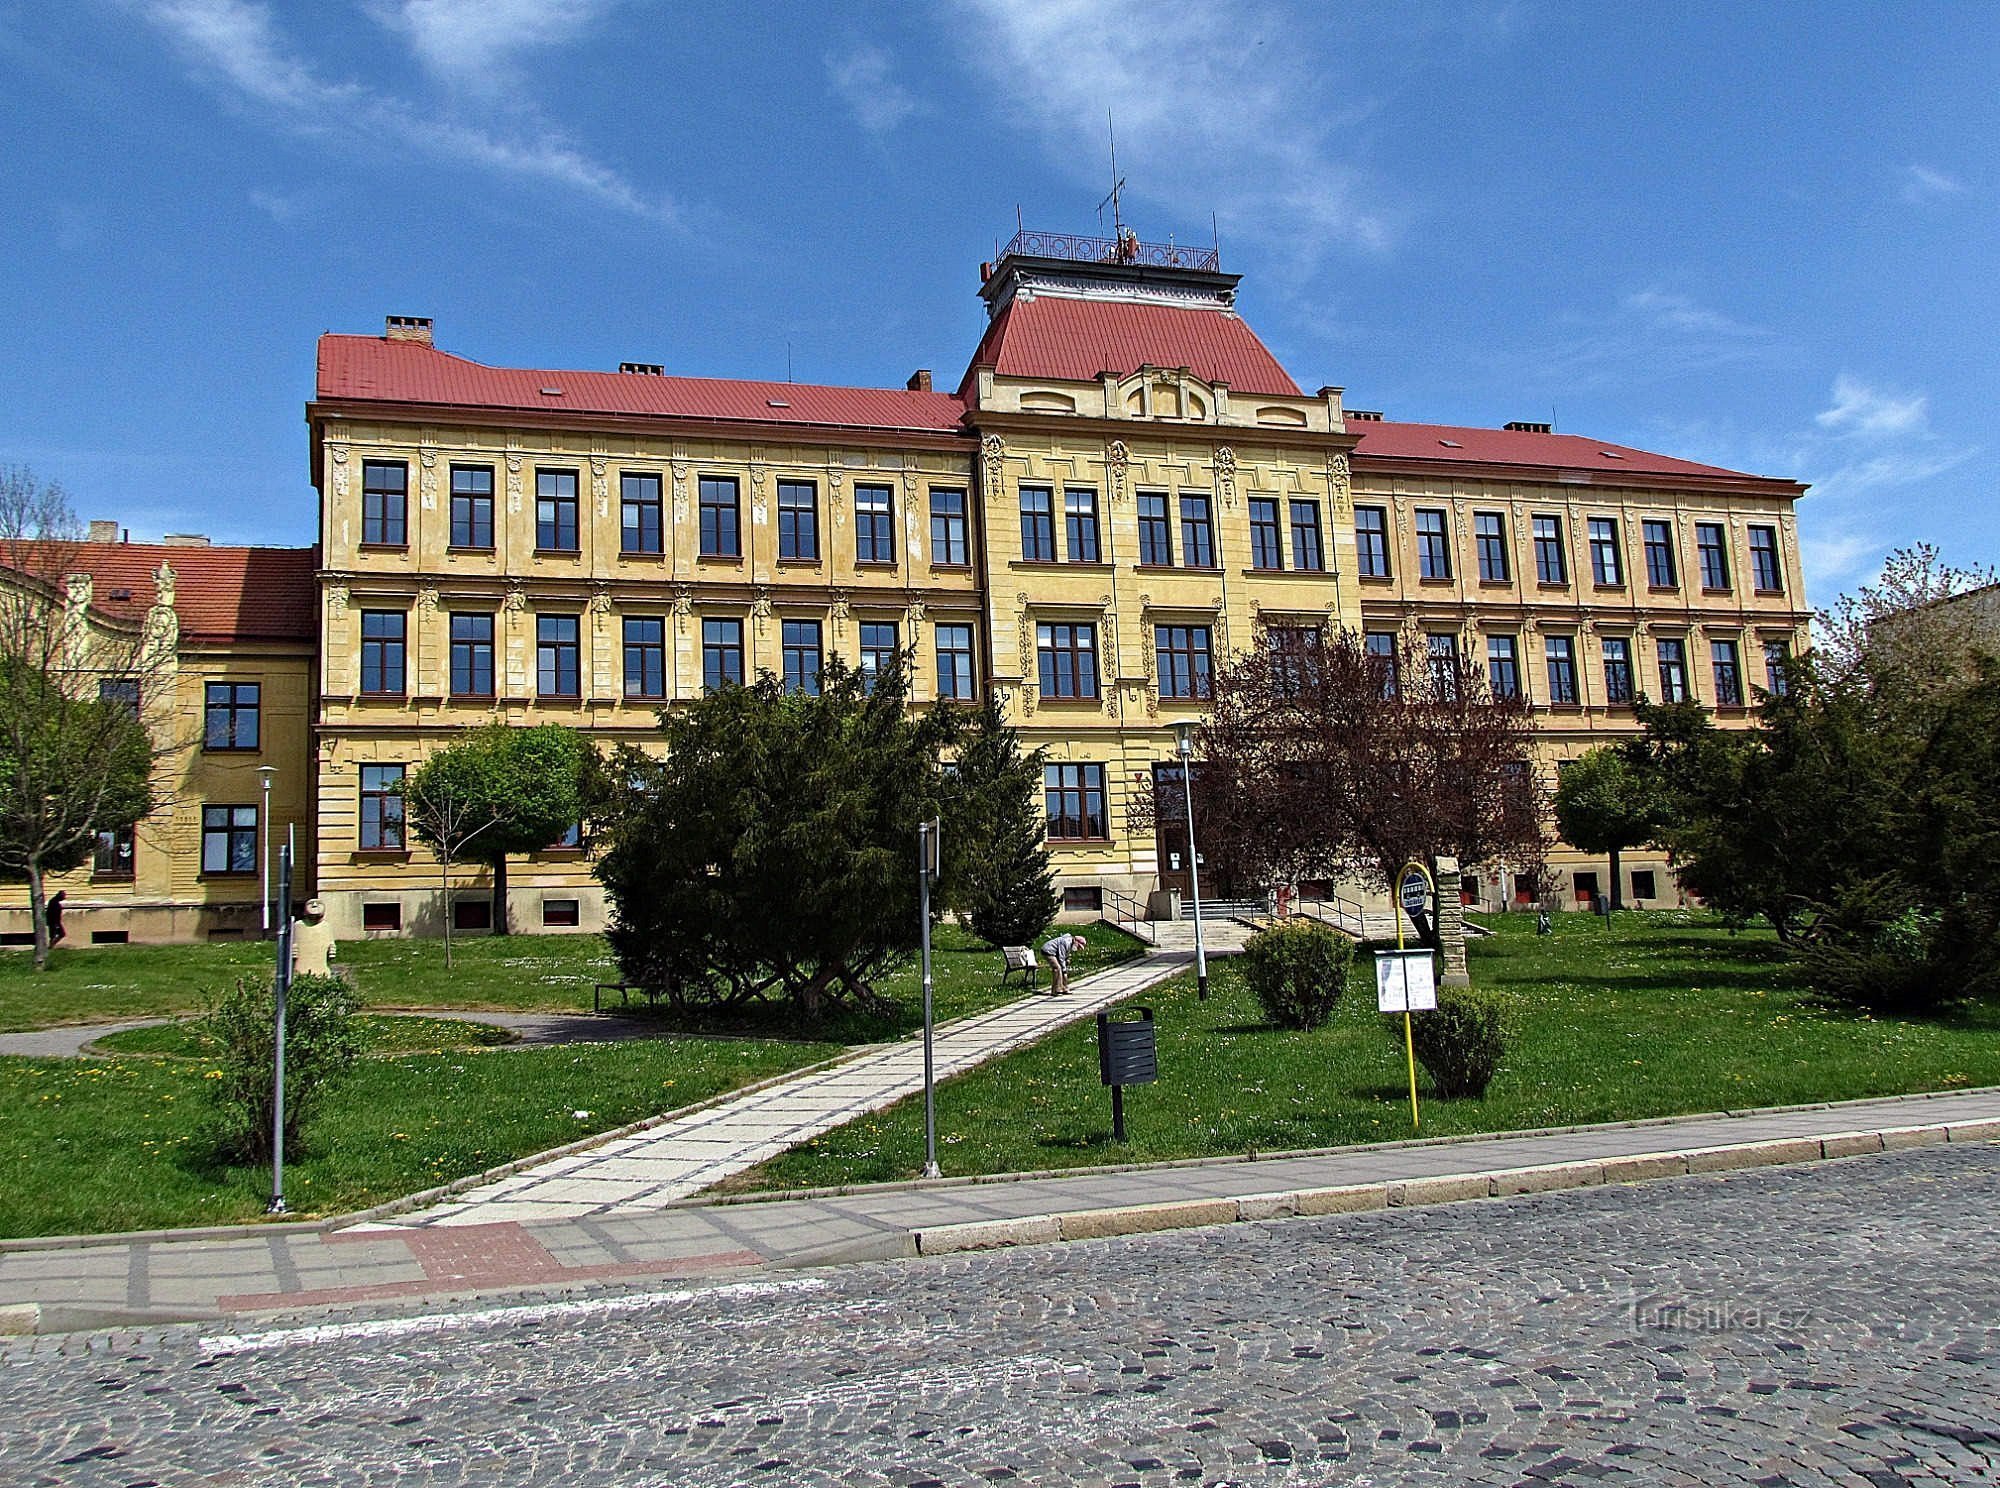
771 853
997 834
1605 803
322 1043
496 791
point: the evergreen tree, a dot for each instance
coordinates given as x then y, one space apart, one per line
1001 862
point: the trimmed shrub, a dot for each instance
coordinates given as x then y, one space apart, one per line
322 1041
1461 1042
1297 970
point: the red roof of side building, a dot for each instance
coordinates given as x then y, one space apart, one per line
220 594
1522 447
376 370
1072 340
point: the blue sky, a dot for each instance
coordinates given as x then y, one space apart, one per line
1763 236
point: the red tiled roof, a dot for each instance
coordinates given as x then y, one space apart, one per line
373 369
1074 340
220 594
1396 441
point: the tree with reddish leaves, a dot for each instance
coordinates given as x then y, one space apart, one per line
1322 758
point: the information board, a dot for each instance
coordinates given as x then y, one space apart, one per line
1405 981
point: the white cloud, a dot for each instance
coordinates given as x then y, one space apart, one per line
1648 335
475 44
237 41
1859 409
1922 183
1678 312
1213 111
864 79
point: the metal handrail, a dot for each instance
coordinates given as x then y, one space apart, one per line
1337 910
1128 914
1077 248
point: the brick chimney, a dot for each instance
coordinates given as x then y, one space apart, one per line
103 532
920 380
415 328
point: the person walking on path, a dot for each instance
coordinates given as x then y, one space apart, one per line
1058 948
52 912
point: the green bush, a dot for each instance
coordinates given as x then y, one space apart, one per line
1460 1042
322 1042
1297 971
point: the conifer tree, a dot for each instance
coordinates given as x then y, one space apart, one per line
1005 884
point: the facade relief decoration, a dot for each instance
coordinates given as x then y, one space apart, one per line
427 479
995 450
337 453
1116 462
760 607
1225 475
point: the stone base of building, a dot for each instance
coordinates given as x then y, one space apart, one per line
387 914
116 923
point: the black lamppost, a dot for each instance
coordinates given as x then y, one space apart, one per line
1184 739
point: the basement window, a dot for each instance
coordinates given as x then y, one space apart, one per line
381 916
559 912
472 914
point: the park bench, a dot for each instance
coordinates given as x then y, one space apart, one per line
624 991
1021 959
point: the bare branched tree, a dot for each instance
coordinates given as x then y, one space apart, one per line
1321 758
1904 630
446 817
87 713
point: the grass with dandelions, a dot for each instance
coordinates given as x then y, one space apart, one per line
1663 1014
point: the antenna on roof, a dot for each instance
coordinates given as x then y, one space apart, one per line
1554 427
788 359
1117 183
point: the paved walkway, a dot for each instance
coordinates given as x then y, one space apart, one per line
141 1280
679 1156
530 1030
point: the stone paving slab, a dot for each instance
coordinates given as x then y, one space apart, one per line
517 1248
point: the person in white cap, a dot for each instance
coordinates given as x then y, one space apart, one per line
1058 948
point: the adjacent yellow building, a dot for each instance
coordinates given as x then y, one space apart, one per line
1124 489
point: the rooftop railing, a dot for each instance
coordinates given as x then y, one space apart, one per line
1128 249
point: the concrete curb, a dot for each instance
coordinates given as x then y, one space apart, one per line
1445 1188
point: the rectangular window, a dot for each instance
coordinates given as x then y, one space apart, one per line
560 912
954 662
1082 899
951 546
1713 553
1503 667
1038 524
721 532
381 808
1561 654
721 654
1308 553
1068 660
1728 674
1433 545
1156 531
874 539
1073 796
880 646
472 506
229 839
472 656
113 855
1551 563
231 715
382 652
382 915
1661 570
645 656
1183 655
1267 549
1607 563
1197 533
1489 535
800 639
557 656
1777 667
1295 654
1673 671
122 691
1443 651
1371 541
385 496
641 525
1644 884
1765 571
1381 646
1080 526
555 511
1617 670
472 914
798 521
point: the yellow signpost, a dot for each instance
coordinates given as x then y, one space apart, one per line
1420 888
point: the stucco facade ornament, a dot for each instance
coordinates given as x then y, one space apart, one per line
1225 474
683 605
513 483
427 600
680 470
336 597
337 453
760 607
995 450
1117 459
1339 475
164 581
916 615
517 597
600 600
840 612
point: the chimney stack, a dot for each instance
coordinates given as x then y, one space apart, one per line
415 328
103 532
643 369
920 380
1364 415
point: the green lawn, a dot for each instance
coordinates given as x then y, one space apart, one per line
520 973
99 1145
1662 1014
398 1034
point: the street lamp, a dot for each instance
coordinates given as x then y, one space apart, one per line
264 822
1184 740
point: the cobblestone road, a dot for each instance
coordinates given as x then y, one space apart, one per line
1830 1323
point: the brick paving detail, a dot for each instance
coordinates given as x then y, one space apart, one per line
1795 1327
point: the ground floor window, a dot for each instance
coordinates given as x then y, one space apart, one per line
560 912
472 914
381 916
1644 884
1074 797
1087 898
229 839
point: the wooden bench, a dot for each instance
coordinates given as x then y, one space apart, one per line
624 991
1021 959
